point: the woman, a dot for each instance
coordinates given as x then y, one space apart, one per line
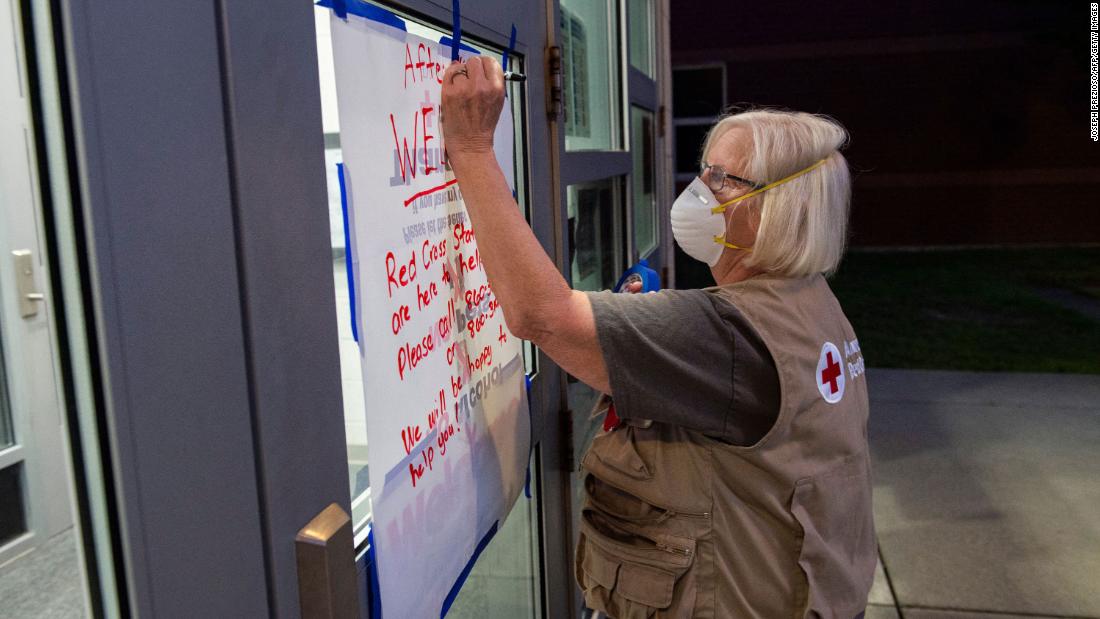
737 483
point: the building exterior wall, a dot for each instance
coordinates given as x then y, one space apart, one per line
969 122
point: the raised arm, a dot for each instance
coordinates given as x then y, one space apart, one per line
537 302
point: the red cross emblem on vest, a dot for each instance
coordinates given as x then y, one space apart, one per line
830 373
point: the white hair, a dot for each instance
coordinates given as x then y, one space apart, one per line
803 222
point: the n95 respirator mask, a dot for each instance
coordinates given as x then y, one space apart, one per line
697 221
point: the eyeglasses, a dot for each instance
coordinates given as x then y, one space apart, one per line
716 177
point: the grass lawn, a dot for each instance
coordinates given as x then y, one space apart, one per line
972 309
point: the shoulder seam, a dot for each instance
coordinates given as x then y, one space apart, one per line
731 408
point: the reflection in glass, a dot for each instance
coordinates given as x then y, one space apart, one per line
588 37
640 29
597 256
595 232
351 371
355 411
506 580
643 192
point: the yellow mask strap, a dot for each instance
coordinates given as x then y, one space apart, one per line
722 241
722 207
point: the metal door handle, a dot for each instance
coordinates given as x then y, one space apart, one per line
29 298
327 577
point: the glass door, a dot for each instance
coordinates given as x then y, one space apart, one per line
507 580
612 171
41 556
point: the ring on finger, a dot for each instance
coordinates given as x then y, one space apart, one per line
461 72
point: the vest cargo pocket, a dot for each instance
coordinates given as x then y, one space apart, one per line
621 505
614 455
838 552
633 577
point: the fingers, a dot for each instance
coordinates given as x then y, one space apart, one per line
470 105
474 70
487 70
480 77
455 70
493 71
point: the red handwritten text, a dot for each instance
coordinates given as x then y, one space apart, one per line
399 277
416 70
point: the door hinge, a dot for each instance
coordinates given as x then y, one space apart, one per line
556 107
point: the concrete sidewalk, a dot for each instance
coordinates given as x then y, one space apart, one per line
987 494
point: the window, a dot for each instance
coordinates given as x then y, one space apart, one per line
698 98
595 233
640 30
589 37
598 258
355 422
698 91
689 142
643 180
505 581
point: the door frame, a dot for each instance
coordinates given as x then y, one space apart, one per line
490 22
29 343
203 252
228 266
204 236
572 167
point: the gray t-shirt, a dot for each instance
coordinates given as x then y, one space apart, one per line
687 357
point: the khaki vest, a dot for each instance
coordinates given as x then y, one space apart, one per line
677 524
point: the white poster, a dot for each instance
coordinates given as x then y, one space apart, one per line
446 401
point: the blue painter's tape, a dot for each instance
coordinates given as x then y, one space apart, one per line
527 378
359 8
530 440
448 41
511 49
347 249
527 482
456 30
372 577
340 7
466 570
